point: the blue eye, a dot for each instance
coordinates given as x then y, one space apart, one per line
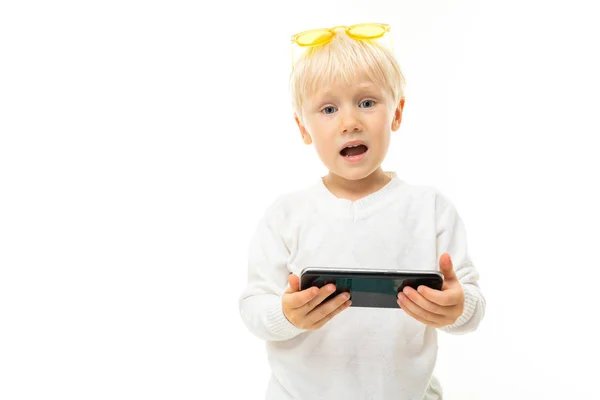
368 101
328 110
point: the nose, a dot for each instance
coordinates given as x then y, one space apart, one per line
350 122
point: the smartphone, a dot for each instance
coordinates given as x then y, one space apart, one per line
367 287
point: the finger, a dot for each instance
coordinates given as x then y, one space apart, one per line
300 299
415 316
447 268
408 304
294 282
324 309
445 298
323 293
422 302
332 314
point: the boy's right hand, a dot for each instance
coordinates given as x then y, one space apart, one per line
304 308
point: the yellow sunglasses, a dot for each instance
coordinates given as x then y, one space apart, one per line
319 37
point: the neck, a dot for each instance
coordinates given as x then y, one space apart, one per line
356 189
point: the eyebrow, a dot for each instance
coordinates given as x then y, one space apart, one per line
366 84
361 86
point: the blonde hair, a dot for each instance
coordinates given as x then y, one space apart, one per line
345 58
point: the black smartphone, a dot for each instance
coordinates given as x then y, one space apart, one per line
367 287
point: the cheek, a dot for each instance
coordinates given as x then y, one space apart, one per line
323 138
325 147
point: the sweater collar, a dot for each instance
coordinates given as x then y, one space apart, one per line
362 207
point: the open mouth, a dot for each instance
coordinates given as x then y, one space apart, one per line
353 151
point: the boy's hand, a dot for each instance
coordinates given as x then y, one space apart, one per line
304 308
436 308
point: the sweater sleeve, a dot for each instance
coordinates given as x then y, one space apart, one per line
452 239
260 303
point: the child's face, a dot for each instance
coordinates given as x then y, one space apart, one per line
339 113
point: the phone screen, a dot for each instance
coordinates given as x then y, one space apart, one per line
372 292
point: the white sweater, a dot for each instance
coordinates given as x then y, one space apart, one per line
362 353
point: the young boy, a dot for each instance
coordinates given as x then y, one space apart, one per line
348 97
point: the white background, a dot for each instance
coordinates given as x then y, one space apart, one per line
141 142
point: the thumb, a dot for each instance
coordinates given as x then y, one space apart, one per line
446 268
294 282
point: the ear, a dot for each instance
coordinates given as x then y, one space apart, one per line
398 115
305 135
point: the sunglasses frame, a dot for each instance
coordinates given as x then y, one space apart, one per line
347 29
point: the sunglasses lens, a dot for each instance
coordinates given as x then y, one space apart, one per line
367 31
314 38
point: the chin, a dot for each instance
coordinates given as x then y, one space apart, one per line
355 175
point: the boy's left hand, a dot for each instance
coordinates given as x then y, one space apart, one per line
436 308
